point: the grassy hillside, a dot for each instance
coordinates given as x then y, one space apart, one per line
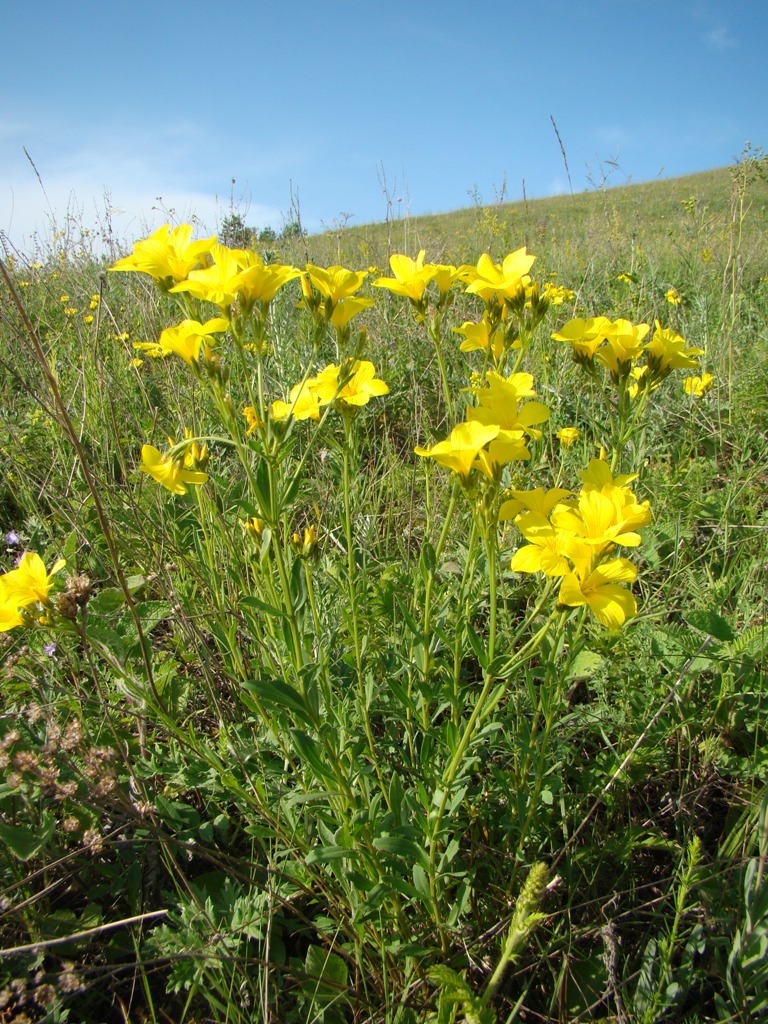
391 652
666 217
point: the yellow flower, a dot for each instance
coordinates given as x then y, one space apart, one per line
335 283
29 583
481 336
411 277
461 449
585 336
252 420
168 472
604 517
666 351
167 255
536 500
445 276
698 386
504 280
344 310
260 282
557 294
358 386
568 436
254 527
501 402
547 548
196 455
217 283
625 343
626 278
188 340
302 404
305 546
600 589
673 297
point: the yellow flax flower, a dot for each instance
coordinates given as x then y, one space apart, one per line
557 294
568 436
504 280
168 255
335 283
461 449
357 388
217 283
673 297
260 282
481 336
502 402
625 345
28 584
169 472
445 276
584 336
411 277
302 404
546 550
196 455
603 518
600 589
667 351
344 310
536 500
698 386
598 476
189 339
252 420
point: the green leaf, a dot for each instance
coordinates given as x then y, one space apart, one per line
326 854
309 752
276 693
584 665
327 967
106 602
406 849
477 646
25 842
711 623
254 602
428 560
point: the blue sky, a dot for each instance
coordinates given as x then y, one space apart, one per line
131 110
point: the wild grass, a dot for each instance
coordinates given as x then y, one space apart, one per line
299 744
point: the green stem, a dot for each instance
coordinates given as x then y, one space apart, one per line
435 334
352 573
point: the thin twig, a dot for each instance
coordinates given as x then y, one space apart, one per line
33 947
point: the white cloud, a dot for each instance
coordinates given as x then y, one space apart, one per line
720 38
120 184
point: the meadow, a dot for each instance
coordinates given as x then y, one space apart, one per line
383 616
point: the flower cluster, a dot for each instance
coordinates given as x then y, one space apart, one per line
348 386
624 350
574 536
496 429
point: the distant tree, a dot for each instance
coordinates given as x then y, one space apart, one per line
235 233
292 229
